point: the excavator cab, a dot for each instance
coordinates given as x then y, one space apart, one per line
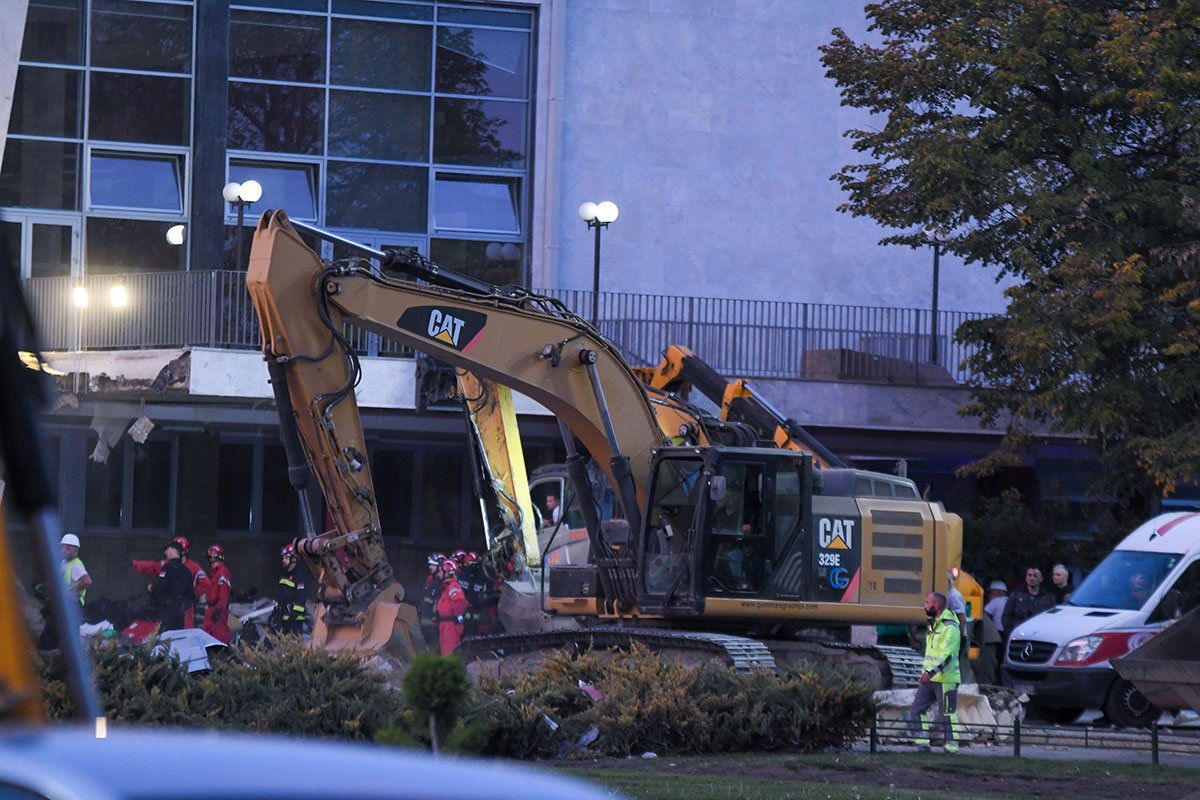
724 523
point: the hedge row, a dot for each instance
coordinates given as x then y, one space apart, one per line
594 704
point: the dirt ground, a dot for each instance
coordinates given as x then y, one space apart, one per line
971 782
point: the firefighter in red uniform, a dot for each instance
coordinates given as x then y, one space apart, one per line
200 582
216 619
451 607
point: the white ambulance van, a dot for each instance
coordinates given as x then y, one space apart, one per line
1060 658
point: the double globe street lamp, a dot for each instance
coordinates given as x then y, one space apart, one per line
241 195
597 215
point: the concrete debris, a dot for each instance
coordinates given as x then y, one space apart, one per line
140 429
985 714
190 645
65 400
108 430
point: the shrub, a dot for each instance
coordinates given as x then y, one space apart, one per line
652 704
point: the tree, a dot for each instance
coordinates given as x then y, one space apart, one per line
436 688
1056 142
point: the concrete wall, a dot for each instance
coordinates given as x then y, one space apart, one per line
713 127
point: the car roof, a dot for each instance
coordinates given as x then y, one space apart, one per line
139 763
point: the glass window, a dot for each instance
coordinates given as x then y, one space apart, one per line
53 33
104 486
360 46
46 102
478 16
152 484
484 133
133 180
140 108
276 119
291 187
10 245
356 130
377 196
235 480
297 5
280 505
281 47
494 262
788 506
392 471
40 175
1125 579
50 250
487 62
150 36
441 490
476 203
384 8
130 245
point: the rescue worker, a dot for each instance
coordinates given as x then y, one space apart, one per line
74 573
216 618
429 595
938 685
172 591
200 581
451 606
477 588
291 613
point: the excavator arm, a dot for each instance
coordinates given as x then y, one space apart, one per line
681 371
529 343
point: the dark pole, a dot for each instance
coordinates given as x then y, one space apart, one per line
237 236
933 325
597 224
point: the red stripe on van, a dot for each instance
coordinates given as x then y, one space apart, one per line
1165 529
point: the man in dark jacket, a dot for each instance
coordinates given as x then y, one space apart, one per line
291 594
1025 603
173 590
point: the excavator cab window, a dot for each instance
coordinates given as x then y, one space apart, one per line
672 522
736 545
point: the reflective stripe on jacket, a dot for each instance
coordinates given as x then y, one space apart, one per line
941 648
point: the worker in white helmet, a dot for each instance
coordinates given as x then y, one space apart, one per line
74 573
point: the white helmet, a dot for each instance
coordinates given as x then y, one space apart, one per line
70 539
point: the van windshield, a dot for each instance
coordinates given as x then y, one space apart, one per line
1124 580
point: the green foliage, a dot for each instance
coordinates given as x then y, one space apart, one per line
652 704
1058 142
290 688
435 688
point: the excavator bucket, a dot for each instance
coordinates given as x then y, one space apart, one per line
1166 669
386 626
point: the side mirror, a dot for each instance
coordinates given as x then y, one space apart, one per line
716 488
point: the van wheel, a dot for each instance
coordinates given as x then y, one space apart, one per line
1129 708
1056 716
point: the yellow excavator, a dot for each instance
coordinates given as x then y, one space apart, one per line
713 548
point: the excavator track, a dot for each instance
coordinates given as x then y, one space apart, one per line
743 654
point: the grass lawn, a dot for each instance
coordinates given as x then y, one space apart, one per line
903 776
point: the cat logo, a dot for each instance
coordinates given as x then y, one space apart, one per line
445 327
836 534
457 328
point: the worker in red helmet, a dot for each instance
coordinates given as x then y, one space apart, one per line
200 581
216 619
451 606
291 595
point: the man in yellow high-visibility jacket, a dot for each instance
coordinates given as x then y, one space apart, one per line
938 685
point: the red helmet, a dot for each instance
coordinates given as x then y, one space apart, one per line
449 567
183 542
287 551
216 552
470 558
459 555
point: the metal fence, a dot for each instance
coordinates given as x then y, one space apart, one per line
747 338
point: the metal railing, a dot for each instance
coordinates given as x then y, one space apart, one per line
747 338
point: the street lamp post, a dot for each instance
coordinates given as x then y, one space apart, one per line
597 215
241 195
936 240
